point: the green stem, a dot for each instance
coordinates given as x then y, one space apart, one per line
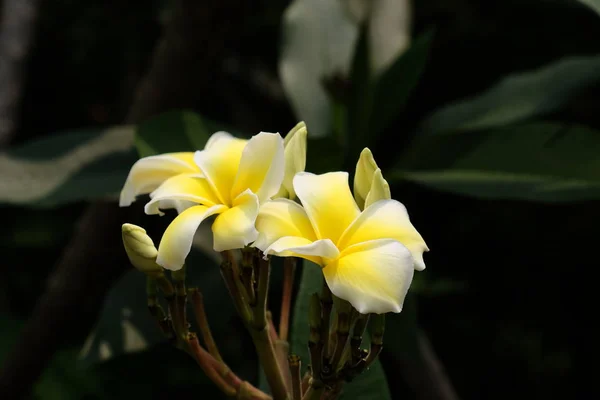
315 391
268 359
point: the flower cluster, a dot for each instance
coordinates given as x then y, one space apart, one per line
261 197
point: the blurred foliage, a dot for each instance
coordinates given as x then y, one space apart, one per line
493 103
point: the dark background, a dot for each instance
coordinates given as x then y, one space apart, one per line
514 315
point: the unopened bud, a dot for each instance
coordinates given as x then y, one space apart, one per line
140 250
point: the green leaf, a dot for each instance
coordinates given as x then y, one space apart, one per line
172 131
318 38
372 384
376 100
125 325
593 4
540 161
517 97
67 167
395 85
323 155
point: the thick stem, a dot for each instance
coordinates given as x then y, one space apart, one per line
315 390
289 269
268 360
202 322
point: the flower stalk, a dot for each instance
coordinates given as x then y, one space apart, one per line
289 269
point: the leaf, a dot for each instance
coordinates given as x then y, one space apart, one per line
517 97
172 131
67 167
372 384
318 40
125 325
593 4
375 101
539 161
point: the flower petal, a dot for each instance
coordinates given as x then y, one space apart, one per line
319 251
327 201
234 228
188 187
219 163
261 167
279 218
373 276
176 242
382 220
295 159
221 137
365 168
149 172
380 190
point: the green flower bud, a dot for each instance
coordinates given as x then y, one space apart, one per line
140 250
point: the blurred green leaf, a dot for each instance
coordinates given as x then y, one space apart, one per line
323 155
540 161
318 38
126 326
372 384
376 100
172 131
517 97
67 167
593 4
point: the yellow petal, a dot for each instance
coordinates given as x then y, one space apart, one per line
382 220
327 201
219 163
279 218
187 187
380 190
320 251
221 138
295 158
149 172
176 242
365 168
234 228
261 167
373 276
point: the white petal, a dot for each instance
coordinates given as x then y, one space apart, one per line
220 138
177 240
282 217
319 252
261 168
373 276
234 228
327 201
386 219
149 172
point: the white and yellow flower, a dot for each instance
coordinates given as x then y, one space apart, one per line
368 257
232 177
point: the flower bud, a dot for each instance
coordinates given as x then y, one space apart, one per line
140 250
363 178
295 158
380 190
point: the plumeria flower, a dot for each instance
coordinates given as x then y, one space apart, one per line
232 179
368 258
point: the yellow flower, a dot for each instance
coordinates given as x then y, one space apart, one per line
233 177
368 257
295 158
